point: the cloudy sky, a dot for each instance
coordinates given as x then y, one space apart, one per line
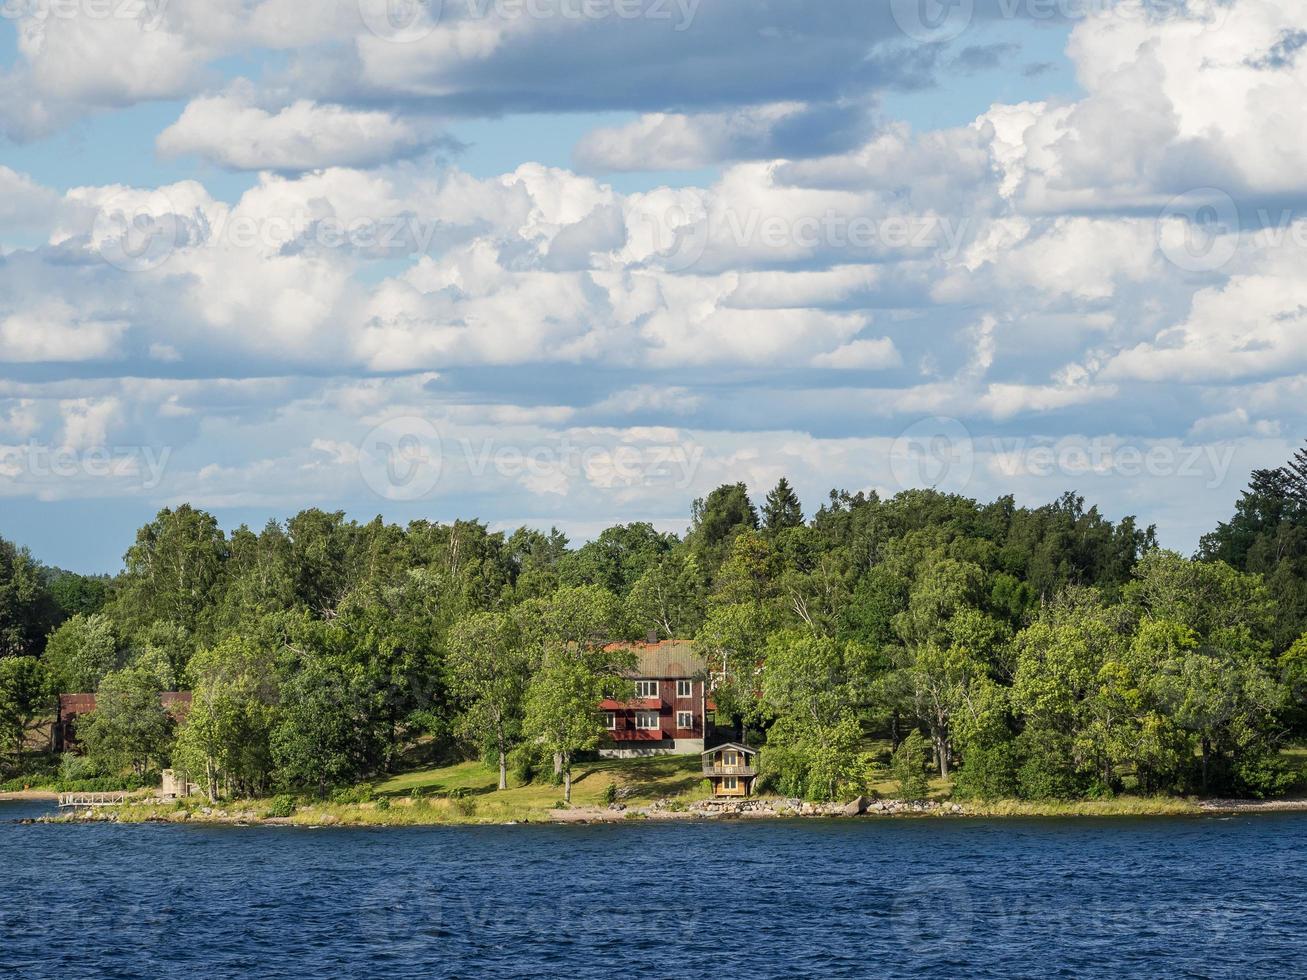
570 262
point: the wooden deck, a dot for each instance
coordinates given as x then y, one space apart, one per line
92 799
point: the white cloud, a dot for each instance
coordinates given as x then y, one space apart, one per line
233 133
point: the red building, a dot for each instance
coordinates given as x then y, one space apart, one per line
671 712
72 706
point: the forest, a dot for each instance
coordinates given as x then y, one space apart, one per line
1029 653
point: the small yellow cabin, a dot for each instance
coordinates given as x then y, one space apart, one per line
731 768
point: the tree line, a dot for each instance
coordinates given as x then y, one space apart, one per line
1043 652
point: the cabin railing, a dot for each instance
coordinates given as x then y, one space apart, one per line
710 770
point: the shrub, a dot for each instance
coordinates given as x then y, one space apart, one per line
987 773
282 806
353 794
909 767
463 806
610 793
383 803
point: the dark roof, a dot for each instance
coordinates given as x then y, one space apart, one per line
729 745
84 704
664 659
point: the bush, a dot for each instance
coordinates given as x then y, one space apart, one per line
282 807
383 803
908 765
610 793
987 773
463 806
353 794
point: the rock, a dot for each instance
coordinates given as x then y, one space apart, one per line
856 806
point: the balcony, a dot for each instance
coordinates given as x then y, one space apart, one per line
710 770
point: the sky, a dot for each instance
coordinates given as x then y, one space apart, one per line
576 262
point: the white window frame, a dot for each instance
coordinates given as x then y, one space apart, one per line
641 687
730 782
611 720
685 689
730 758
643 716
689 719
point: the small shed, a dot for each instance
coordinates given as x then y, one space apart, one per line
731 768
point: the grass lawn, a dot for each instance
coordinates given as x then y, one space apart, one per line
645 780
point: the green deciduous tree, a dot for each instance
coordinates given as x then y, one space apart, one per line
562 713
26 693
129 725
489 667
81 652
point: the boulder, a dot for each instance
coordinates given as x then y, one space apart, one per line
857 806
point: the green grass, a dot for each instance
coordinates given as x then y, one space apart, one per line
645 780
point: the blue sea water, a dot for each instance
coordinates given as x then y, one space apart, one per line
1201 897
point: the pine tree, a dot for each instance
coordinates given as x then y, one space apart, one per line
782 509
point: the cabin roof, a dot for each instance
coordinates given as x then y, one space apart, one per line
730 745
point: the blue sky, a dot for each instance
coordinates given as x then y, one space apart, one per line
505 259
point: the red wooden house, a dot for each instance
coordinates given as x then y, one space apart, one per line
671 712
72 706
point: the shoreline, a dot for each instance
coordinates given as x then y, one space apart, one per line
405 813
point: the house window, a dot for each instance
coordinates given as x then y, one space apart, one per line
646 689
684 689
730 782
610 719
685 719
646 719
728 759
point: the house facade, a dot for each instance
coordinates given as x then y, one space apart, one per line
731 768
63 734
671 713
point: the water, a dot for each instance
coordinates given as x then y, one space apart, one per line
1204 897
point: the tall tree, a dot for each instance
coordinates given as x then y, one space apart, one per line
781 509
81 652
562 712
489 666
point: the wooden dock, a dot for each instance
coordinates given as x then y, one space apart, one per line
74 800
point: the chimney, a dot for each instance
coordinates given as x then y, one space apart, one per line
652 637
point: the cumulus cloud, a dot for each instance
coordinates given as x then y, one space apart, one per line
231 132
